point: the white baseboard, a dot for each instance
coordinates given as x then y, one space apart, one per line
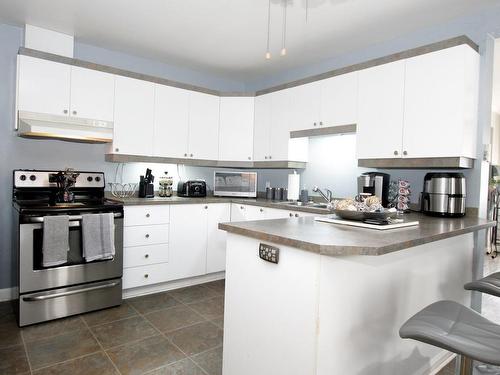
8 294
174 284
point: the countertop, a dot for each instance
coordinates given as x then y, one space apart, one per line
336 240
261 202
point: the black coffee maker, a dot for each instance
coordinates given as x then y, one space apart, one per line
146 187
375 183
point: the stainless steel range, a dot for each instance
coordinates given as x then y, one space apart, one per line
75 285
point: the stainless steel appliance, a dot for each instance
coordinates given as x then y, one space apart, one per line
235 184
192 188
444 194
375 183
76 286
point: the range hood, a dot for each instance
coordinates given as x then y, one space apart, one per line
66 128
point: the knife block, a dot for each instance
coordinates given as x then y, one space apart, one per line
146 190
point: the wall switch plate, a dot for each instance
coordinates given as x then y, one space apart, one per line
269 253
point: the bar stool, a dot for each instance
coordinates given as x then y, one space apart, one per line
489 284
458 329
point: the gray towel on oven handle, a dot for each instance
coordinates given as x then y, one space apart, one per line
55 245
98 236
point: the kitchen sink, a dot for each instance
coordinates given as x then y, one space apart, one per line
308 204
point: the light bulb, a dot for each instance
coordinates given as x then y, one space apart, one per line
268 55
283 51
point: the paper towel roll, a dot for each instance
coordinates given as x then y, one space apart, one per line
293 186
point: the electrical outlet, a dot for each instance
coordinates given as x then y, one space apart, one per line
269 253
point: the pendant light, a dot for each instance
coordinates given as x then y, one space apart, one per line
283 37
268 53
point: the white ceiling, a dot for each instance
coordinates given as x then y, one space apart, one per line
228 37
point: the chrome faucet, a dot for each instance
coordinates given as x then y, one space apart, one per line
327 197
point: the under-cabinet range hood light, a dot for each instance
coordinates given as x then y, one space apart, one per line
73 129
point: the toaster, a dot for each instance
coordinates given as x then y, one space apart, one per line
192 188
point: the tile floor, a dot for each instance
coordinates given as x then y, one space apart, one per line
172 333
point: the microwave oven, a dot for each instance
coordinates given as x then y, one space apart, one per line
235 184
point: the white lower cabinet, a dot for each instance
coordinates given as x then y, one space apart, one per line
216 246
243 212
146 275
145 255
145 235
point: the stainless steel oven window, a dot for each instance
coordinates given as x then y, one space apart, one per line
33 277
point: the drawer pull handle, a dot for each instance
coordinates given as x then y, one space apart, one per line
146 276
147 235
146 256
261 210
291 215
206 207
296 215
148 215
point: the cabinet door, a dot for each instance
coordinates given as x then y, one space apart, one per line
133 119
435 104
188 240
339 100
280 125
216 247
380 117
92 94
171 122
242 212
236 128
305 106
262 127
43 86
203 126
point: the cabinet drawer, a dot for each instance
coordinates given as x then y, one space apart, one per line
145 255
145 235
146 215
146 275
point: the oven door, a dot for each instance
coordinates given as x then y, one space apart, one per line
33 276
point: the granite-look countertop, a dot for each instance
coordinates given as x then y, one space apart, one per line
261 202
335 240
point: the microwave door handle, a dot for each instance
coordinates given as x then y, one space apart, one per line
68 293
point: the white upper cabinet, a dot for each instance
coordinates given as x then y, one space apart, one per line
171 122
133 116
59 89
280 125
236 128
339 100
203 126
92 94
305 106
43 86
380 116
262 127
441 90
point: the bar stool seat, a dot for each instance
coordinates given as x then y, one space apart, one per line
489 284
456 328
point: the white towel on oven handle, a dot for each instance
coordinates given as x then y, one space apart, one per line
98 236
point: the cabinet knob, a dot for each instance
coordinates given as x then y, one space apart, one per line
242 208
146 256
206 207
291 215
65 111
405 153
185 154
296 215
148 215
249 158
261 210
117 149
265 157
147 235
146 276
270 157
321 123
314 124
191 155
396 152
74 112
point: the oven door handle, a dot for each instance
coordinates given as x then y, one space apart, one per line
39 219
68 293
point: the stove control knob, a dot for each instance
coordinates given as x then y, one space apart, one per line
22 177
32 177
90 179
97 178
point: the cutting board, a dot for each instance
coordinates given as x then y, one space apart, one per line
365 225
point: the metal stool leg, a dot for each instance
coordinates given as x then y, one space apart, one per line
465 365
